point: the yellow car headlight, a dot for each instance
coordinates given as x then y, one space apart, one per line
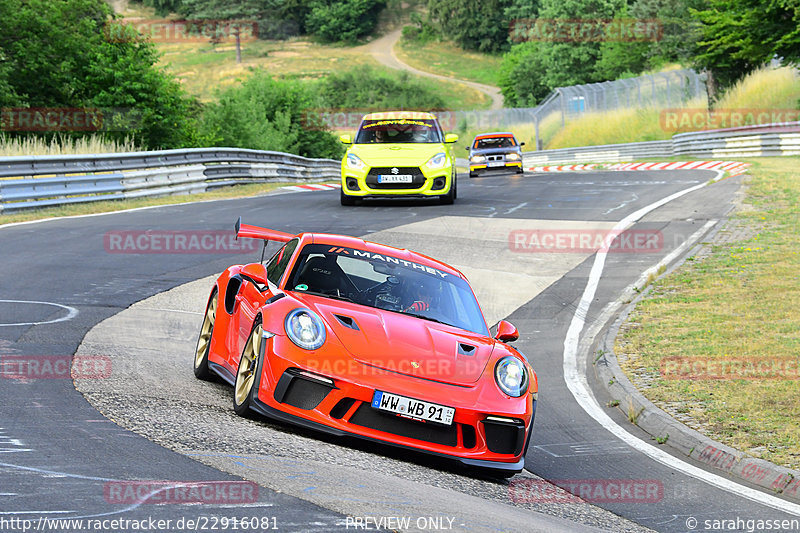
354 162
513 156
438 161
478 158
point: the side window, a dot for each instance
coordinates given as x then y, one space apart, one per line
277 265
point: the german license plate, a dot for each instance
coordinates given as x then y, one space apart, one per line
401 405
395 178
496 163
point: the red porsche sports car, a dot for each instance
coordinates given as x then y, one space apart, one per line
356 338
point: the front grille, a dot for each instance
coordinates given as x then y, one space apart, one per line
504 437
341 407
368 417
300 392
418 180
468 436
497 157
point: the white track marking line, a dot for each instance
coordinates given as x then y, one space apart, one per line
171 310
579 386
71 313
520 206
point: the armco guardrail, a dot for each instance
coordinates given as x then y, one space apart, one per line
748 141
41 181
612 153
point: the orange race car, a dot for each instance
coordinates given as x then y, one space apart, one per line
499 150
356 338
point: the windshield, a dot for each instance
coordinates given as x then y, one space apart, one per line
495 142
399 130
387 282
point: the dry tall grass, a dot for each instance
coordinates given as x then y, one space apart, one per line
32 145
764 89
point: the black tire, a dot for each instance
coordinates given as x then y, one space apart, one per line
473 174
520 170
346 200
455 186
245 388
201 370
450 197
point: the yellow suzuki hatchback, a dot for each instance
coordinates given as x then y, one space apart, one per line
399 154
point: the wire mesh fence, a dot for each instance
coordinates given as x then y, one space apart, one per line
656 91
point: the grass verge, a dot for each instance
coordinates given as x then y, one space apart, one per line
447 59
734 307
108 206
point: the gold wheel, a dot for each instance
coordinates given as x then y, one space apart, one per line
204 340
246 375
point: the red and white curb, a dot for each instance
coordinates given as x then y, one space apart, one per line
733 168
312 187
565 168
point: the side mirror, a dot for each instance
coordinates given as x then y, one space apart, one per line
522 143
255 271
466 148
506 332
346 139
450 138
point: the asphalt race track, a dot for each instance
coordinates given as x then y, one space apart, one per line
62 451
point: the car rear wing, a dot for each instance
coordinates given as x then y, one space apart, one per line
255 232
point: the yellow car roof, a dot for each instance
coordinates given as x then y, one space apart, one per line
384 115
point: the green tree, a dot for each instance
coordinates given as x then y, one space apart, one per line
275 19
61 53
242 15
164 7
474 24
342 20
365 87
268 114
680 30
625 57
521 80
741 35
572 61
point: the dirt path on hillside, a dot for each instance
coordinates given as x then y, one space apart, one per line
382 49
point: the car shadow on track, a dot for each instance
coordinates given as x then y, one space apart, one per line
387 451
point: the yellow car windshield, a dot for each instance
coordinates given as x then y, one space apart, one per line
402 130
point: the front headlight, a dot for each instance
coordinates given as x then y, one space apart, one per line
511 376
437 161
513 156
305 328
354 162
478 158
